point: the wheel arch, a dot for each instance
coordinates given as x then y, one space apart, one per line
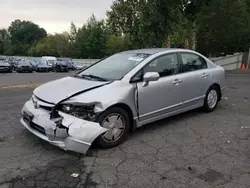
219 89
125 107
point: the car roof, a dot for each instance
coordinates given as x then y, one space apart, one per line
49 57
150 50
64 58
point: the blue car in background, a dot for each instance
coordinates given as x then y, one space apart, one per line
68 62
42 67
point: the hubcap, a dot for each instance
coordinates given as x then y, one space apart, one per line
116 125
212 99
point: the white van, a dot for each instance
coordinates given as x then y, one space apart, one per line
49 60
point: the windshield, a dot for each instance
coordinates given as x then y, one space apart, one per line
33 62
51 62
60 63
4 63
115 67
42 63
26 63
68 61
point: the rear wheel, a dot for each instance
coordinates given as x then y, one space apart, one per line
117 121
211 99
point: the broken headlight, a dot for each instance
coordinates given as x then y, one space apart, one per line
83 112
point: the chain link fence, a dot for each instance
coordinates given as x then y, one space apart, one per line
229 62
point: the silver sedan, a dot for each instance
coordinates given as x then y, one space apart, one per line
120 93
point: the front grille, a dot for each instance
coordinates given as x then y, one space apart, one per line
38 128
3 69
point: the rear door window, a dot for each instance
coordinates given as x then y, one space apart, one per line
192 62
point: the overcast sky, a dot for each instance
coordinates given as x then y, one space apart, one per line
52 15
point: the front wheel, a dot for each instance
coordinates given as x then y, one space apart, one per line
211 99
117 121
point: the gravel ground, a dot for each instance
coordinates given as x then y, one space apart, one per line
12 79
190 150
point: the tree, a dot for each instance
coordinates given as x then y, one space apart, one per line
4 36
91 39
73 32
158 18
148 22
248 5
224 26
24 34
55 45
117 44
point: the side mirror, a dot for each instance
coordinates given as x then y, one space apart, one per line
150 77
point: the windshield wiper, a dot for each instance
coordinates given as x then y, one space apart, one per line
93 77
89 76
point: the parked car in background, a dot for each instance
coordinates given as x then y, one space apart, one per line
49 60
2 58
5 67
75 66
79 66
120 93
42 67
60 66
34 63
24 66
68 62
13 62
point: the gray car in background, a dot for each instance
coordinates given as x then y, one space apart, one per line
68 62
5 67
120 93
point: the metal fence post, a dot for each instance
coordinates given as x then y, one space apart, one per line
248 60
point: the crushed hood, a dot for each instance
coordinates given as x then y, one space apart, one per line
58 90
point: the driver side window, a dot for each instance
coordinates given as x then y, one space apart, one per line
166 65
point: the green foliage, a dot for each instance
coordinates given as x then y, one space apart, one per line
4 37
53 45
224 26
117 44
91 39
211 26
73 33
24 34
148 22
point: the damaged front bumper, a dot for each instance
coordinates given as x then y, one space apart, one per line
73 134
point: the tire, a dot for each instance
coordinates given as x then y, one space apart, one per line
101 141
214 91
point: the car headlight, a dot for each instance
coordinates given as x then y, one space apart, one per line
84 112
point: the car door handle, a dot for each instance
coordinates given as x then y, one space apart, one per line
204 75
176 81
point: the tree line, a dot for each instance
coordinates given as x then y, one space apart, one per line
211 27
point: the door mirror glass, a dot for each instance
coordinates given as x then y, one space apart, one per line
151 76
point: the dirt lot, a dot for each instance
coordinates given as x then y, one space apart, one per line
193 149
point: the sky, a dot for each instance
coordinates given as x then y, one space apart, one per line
54 16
